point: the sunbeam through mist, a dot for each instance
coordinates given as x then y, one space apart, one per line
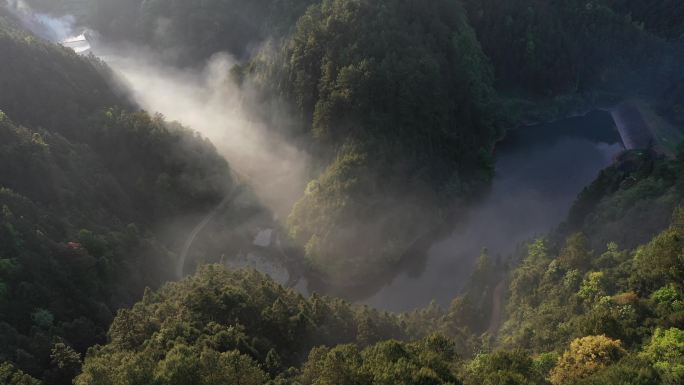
210 102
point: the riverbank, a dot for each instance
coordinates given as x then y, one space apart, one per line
597 128
538 177
524 111
579 123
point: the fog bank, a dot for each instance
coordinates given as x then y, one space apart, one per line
206 100
210 102
540 171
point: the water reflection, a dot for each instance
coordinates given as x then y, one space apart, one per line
540 171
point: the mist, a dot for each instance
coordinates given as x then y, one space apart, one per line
538 177
54 29
209 101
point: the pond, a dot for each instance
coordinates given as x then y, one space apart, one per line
539 173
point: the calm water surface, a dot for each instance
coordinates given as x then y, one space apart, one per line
540 171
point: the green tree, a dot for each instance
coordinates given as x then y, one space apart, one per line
10 375
180 366
358 73
660 261
666 352
338 366
230 368
630 370
575 254
66 359
668 300
501 368
43 318
593 286
585 357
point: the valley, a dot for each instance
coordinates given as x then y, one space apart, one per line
347 192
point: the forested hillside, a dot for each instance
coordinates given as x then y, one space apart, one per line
221 326
405 100
574 317
84 181
46 86
397 96
400 104
559 47
641 187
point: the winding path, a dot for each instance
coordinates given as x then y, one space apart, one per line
180 267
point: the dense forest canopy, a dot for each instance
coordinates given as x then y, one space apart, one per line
557 47
400 104
574 318
403 94
84 181
48 86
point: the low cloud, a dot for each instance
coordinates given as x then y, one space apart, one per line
209 101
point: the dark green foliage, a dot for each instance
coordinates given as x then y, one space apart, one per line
81 188
502 368
66 364
169 336
48 86
396 101
620 294
10 375
400 93
429 361
189 32
219 311
189 176
666 352
630 370
559 293
51 287
661 262
639 188
566 46
575 254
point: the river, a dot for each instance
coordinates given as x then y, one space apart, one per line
539 173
